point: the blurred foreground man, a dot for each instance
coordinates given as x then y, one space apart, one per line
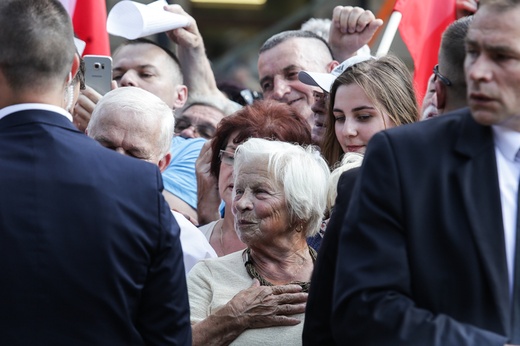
85 258
430 248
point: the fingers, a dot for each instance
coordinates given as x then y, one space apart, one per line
279 295
85 104
90 98
352 20
264 306
290 309
187 36
465 7
286 289
273 320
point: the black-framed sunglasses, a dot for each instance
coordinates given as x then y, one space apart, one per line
443 79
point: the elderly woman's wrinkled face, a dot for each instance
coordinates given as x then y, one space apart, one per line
259 206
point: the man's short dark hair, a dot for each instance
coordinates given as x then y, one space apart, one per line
36 43
452 53
143 40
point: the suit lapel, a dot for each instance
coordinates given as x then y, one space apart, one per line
478 179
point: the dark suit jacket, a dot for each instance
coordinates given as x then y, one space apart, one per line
316 328
421 259
89 250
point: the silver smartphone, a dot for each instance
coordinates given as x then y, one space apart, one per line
98 72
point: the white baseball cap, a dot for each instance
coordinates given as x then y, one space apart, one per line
325 80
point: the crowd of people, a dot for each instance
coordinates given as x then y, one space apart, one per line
332 210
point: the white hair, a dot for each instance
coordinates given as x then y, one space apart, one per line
349 161
302 172
141 103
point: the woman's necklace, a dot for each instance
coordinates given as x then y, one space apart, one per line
250 268
222 237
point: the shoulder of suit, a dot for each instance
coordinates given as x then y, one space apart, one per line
438 126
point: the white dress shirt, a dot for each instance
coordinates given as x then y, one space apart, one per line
195 246
507 145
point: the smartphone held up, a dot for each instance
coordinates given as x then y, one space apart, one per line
98 72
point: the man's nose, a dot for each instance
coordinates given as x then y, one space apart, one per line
128 79
280 88
189 132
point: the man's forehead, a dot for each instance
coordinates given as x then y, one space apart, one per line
202 112
141 54
297 54
492 27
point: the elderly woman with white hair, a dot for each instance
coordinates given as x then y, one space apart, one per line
257 295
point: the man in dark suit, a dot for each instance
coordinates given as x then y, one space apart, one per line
89 250
427 250
317 326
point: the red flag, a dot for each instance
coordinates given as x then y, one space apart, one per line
421 29
89 18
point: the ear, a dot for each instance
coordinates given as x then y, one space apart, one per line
75 66
164 162
332 65
440 91
182 96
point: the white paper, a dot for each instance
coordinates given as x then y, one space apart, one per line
80 45
132 20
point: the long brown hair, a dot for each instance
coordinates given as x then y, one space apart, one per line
387 83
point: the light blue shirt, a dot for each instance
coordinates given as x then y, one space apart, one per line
179 177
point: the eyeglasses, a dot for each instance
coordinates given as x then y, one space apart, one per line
320 96
443 79
226 157
250 96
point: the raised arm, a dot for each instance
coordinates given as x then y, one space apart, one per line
351 29
198 74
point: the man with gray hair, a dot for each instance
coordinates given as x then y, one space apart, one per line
137 123
89 250
285 54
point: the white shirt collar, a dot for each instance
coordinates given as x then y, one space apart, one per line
41 106
507 141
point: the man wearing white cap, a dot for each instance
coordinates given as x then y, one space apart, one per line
325 81
285 54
